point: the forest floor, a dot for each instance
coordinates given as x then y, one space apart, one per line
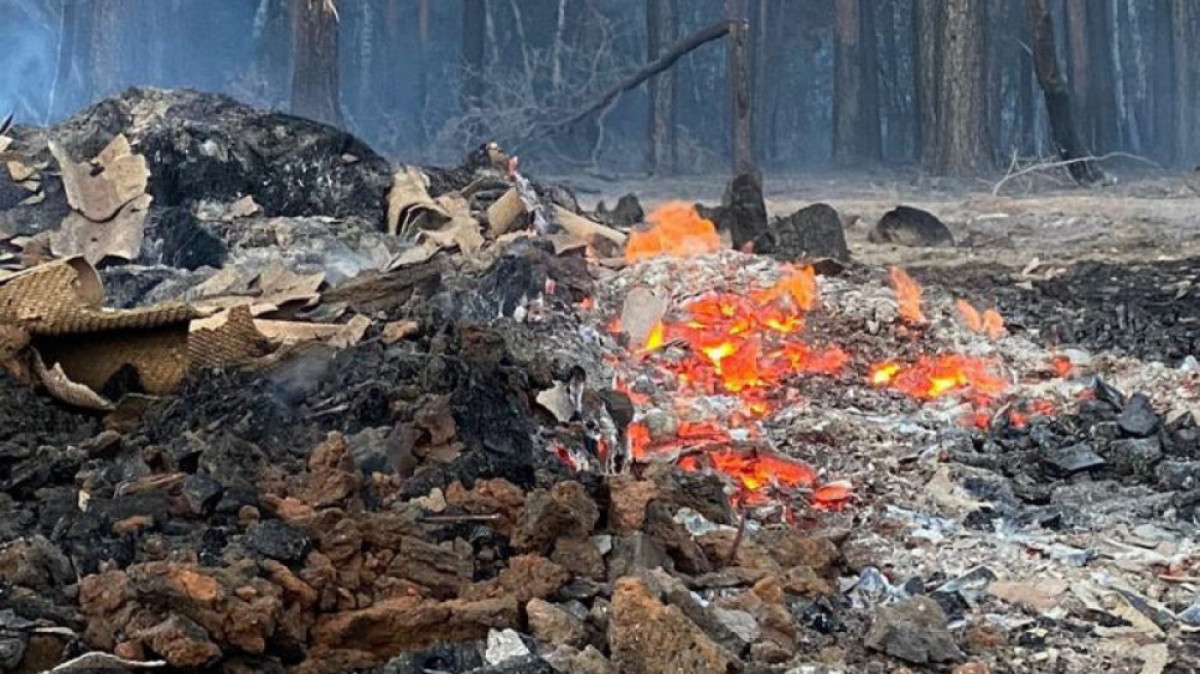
1140 219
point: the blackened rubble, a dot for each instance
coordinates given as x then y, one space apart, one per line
1147 311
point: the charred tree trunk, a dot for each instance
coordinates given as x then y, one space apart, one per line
1058 97
964 144
855 86
928 15
847 86
760 80
737 59
661 35
1185 23
474 40
316 80
1102 94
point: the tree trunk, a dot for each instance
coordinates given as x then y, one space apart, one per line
856 85
760 79
1102 98
847 85
928 15
962 117
738 72
661 34
1080 72
474 40
1185 23
1058 97
316 82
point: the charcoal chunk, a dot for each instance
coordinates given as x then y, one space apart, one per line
1138 418
277 540
1066 461
201 493
1134 456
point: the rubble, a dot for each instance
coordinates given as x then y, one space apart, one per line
367 458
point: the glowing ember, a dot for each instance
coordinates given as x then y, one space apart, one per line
1062 366
934 377
908 295
834 495
676 230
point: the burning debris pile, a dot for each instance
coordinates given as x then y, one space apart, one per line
354 418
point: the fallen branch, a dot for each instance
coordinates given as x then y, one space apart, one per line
668 59
1047 165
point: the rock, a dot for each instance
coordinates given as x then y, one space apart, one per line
526 577
504 645
1178 475
791 548
913 630
811 232
277 540
445 569
1133 456
565 511
1138 418
552 625
637 552
180 641
628 498
580 557
1066 461
908 226
332 475
456 657
649 637
589 661
395 626
972 668
202 493
740 623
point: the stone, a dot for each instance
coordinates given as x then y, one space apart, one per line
1133 456
1178 475
908 226
332 475
395 626
274 539
504 645
625 214
803 581
628 498
564 511
444 569
202 493
811 232
972 668
1066 461
590 661
552 625
1138 418
580 557
526 577
637 552
913 630
180 641
791 548
741 624
650 637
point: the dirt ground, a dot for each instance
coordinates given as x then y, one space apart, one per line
1140 218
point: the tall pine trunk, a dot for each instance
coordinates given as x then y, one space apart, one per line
928 16
316 72
964 145
661 34
856 136
1185 23
737 62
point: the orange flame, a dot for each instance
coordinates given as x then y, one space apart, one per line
908 295
993 324
676 230
970 317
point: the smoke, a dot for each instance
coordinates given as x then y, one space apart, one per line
29 33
